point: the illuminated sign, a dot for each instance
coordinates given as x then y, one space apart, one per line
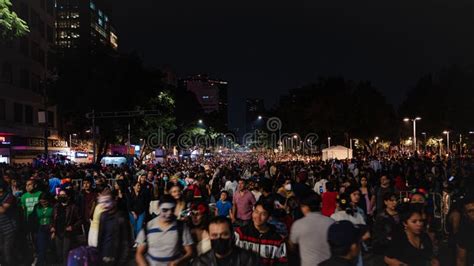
3 141
81 155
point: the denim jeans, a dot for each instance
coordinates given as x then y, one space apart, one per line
43 241
137 223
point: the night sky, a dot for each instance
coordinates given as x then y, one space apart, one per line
264 48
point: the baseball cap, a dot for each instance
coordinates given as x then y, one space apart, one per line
344 233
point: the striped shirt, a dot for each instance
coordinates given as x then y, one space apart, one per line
162 243
269 246
7 221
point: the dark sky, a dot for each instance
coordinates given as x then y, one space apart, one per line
263 48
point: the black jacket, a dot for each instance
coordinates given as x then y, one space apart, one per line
384 228
115 238
239 257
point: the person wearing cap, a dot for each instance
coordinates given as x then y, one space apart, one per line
344 240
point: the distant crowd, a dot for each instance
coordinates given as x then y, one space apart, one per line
240 209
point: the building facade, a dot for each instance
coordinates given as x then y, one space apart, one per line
211 94
26 69
84 25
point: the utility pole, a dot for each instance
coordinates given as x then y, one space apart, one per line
119 114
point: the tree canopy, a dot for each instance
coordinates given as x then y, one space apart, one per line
10 24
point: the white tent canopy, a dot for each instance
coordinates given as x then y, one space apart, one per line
337 152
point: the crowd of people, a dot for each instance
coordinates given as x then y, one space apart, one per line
240 209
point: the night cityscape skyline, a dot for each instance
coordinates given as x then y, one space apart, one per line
264 49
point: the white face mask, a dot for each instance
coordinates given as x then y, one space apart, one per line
287 187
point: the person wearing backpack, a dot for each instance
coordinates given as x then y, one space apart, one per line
164 241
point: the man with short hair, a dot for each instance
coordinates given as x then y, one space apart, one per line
383 189
344 240
242 205
261 238
164 241
307 233
465 236
87 201
224 252
30 198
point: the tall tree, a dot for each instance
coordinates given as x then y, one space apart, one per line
444 100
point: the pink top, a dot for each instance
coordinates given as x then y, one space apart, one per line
244 204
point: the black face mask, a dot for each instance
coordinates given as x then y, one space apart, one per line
62 199
221 246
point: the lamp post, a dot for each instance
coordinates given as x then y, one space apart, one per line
70 139
414 130
329 142
439 144
446 132
424 139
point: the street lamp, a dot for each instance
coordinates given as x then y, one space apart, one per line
414 129
439 144
70 139
446 132
200 121
329 142
260 117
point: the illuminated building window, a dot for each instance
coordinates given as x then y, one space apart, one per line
92 5
205 97
75 25
100 22
100 13
74 15
113 40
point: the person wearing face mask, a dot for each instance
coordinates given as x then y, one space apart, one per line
224 252
412 246
286 190
164 241
66 223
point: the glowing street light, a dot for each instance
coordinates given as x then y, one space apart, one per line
260 117
446 132
329 142
406 119
200 121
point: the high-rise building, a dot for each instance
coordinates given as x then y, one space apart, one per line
84 25
26 66
211 94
